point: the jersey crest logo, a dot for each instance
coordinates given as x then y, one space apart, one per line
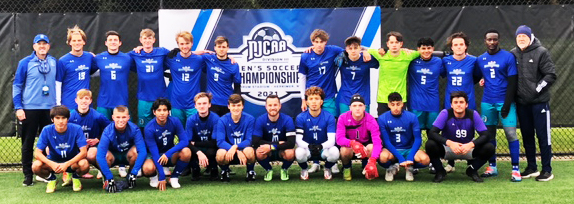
491 64
185 69
204 132
457 72
218 69
113 66
63 146
353 68
165 133
82 68
315 128
274 131
149 61
237 134
424 71
398 129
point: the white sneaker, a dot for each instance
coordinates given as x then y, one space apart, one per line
391 172
314 168
122 171
335 169
154 181
38 178
140 173
304 174
409 174
166 171
449 168
99 176
174 182
327 174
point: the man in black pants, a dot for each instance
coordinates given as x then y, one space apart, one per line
203 146
457 126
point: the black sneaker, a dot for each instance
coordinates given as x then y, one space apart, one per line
28 181
225 176
214 175
473 175
545 176
529 173
250 176
415 171
432 170
439 177
195 174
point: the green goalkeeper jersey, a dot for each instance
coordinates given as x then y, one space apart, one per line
393 74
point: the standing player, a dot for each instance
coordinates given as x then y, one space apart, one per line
67 151
316 134
393 69
234 133
274 138
223 77
203 144
160 141
457 126
536 74
459 69
402 138
74 69
185 71
498 69
355 75
358 134
92 122
114 67
33 94
122 143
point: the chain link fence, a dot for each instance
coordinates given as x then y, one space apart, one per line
563 139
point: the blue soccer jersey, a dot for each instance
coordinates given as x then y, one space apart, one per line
459 129
321 70
460 77
355 78
74 73
120 142
495 70
400 132
62 146
114 78
201 130
274 131
186 73
424 84
161 140
93 122
315 129
229 133
221 75
150 68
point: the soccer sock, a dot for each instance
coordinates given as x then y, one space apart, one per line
385 165
286 164
51 177
492 159
303 165
75 175
514 147
265 164
491 130
476 164
224 167
348 165
179 167
437 164
364 163
194 165
250 167
419 165
328 165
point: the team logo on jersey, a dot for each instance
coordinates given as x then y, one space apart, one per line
185 69
269 64
237 134
353 68
491 64
274 131
123 146
218 69
149 61
457 72
64 145
204 132
424 71
113 66
315 128
398 129
165 133
82 68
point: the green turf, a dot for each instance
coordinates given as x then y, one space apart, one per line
457 188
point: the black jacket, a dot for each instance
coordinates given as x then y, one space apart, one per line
536 73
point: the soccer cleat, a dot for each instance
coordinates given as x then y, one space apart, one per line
528 173
439 177
449 168
122 171
409 175
76 184
224 176
51 187
347 174
516 177
415 171
154 181
545 176
195 174
473 175
314 168
491 171
38 178
284 175
28 181
304 174
166 171
250 176
328 174
100 176
268 176
88 176
67 178
335 169
174 182
390 174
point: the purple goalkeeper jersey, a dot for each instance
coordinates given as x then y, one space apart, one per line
459 129
364 131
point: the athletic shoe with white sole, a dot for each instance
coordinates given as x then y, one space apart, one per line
409 176
67 178
545 176
335 169
174 182
491 171
51 187
327 174
122 171
529 173
314 168
76 184
38 178
516 177
304 174
154 181
99 176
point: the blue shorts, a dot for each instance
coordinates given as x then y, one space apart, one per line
491 114
108 112
144 112
426 118
345 107
330 106
404 152
120 158
183 114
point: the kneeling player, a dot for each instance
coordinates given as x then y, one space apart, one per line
234 132
316 134
160 141
358 134
203 146
274 138
121 144
402 138
457 126
67 146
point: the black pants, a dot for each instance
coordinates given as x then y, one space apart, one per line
219 110
535 118
382 108
209 153
480 154
34 122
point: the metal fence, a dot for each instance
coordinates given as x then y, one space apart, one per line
10 146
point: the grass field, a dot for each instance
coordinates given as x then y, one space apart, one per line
457 188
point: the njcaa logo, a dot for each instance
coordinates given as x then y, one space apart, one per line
269 64
113 66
